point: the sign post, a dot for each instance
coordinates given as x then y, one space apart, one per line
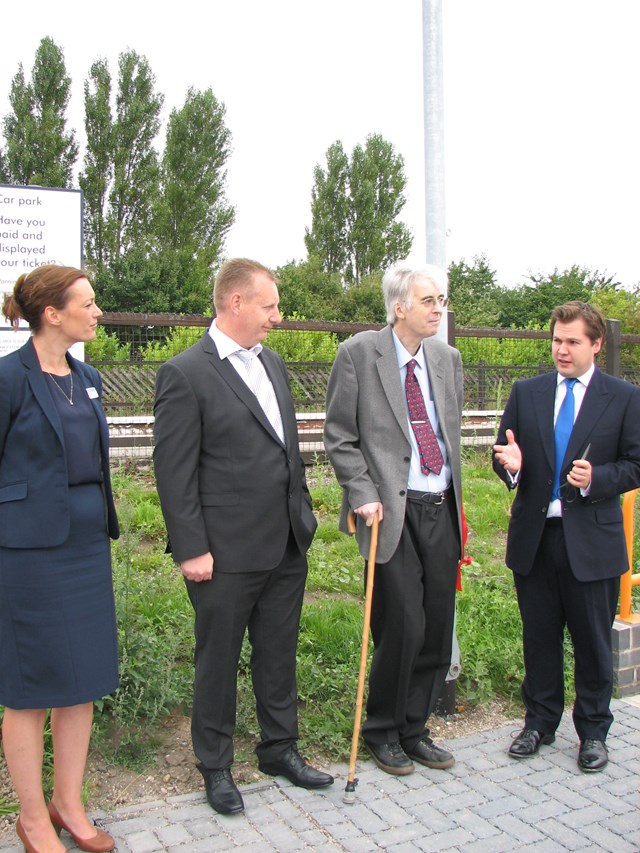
38 225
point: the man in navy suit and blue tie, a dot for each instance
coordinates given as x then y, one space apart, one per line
569 442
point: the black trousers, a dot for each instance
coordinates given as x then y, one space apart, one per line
268 604
412 618
551 598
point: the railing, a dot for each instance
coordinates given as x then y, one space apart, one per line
629 579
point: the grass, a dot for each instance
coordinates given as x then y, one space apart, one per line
155 622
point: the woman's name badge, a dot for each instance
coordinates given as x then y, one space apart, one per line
92 393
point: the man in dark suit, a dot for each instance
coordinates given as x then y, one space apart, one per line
238 513
402 464
570 442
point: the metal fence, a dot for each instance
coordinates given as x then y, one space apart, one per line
308 349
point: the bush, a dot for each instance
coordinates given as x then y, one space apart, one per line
106 347
295 346
176 341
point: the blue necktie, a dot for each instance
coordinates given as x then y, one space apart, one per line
562 434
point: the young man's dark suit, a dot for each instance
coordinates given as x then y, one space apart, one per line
587 545
230 487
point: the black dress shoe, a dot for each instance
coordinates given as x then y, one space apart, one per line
593 755
391 758
293 767
222 793
528 743
428 753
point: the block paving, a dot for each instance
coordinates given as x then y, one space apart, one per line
486 803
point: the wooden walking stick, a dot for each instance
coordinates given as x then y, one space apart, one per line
349 791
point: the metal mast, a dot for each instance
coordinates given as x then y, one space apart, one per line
433 133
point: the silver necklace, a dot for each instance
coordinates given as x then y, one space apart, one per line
68 398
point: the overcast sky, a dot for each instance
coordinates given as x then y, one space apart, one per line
541 111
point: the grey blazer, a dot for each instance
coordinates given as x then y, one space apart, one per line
367 432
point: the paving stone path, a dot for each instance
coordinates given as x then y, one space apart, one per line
487 803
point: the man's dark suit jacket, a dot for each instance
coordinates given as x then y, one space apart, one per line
34 483
227 484
608 420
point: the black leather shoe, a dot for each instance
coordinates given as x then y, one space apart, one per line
593 756
528 743
428 753
293 767
391 758
222 793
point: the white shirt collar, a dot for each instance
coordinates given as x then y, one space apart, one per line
585 379
225 345
403 354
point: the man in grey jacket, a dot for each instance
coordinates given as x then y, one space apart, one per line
394 405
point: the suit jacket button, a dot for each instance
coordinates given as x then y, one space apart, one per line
407 459
402 493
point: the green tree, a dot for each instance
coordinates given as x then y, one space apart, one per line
377 184
327 239
136 171
474 294
531 304
195 215
97 176
121 174
39 150
355 207
616 303
4 171
363 302
121 182
308 292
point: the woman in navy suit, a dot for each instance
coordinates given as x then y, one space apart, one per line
58 638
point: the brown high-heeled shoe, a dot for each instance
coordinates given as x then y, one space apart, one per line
101 842
28 846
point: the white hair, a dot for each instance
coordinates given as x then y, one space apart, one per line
397 283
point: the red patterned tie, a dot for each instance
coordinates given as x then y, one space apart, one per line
430 454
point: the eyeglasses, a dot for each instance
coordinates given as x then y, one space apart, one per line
430 301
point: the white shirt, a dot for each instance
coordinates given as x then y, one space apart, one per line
579 390
228 348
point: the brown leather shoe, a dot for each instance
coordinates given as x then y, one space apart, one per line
101 842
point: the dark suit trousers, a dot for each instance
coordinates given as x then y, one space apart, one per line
268 603
412 618
551 598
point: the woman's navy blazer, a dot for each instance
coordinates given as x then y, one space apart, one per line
34 488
